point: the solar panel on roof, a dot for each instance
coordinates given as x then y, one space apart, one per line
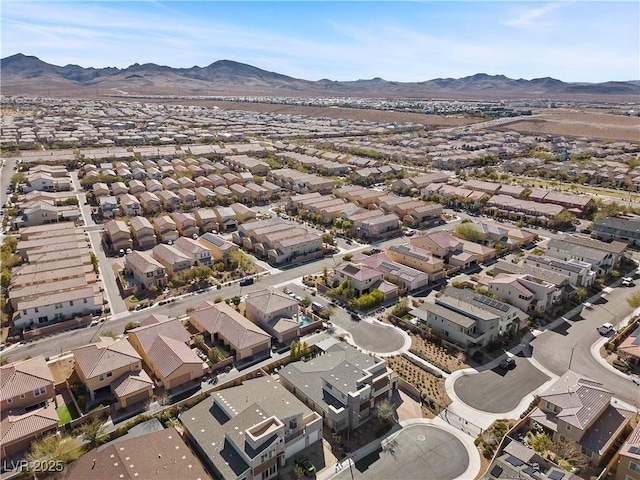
531 472
496 471
516 462
556 475
635 450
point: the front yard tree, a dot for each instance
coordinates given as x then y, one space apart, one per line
467 231
384 410
634 299
91 432
52 447
241 261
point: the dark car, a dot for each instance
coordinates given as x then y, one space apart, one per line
308 467
355 316
508 363
246 281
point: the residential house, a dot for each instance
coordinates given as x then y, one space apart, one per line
100 189
153 185
205 196
170 200
523 291
301 248
628 467
220 322
563 288
243 213
27 406
163 345
108 206
419 258
342 384
136 187
466 324
602 262
150 203
364 279
131 457
170 184
119 188
618 228
377 228
426 215
171 258
187 197
450 249
146 269
107 364
165 229
251 439
226 219
221 250
242 193
186 224
580 411
199 254
206 219
274 312
579 273
129 205
118 234
406 278
143 233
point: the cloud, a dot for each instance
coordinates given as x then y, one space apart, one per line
537 17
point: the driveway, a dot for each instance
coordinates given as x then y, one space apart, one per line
416 452
499 390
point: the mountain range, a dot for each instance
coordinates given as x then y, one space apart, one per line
22 74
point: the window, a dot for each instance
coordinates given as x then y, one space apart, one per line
71 303
109 374
22 395
35 309
293 424
39 391
568 427
634 467
101 377
9 400
85 300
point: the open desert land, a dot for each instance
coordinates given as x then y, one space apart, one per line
571 123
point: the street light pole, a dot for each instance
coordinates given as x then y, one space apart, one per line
571 356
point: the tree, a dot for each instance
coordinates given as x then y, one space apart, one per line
325 274
130 326
198 340
328 239
581 294
91 432
241 261
215 355
306 301
401 308
55 448
570 451
346 226
384 410
634 299
298 472
541 443
467 231
347 257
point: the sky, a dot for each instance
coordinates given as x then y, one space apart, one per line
573 41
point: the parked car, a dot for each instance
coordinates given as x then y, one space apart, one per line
355 317
308 467
627 282
508 363
246 281
129 251
605 329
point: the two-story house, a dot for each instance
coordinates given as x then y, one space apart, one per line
274 312
185 223
143 233
27 406
250 431
145 269
342 384
110 366
199 254
171 258
578 410
165 228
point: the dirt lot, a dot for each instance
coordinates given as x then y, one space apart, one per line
62 369
570 123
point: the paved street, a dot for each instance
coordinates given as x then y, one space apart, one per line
417 452
499 390
571 341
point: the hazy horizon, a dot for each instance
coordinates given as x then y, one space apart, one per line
587 42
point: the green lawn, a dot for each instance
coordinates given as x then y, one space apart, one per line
66 413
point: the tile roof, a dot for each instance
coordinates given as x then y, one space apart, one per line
130 383
269 300
161 455
236 329
167 354
24 376
23 425
172 328
105 356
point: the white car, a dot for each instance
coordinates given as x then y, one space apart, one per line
605 329
627 282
